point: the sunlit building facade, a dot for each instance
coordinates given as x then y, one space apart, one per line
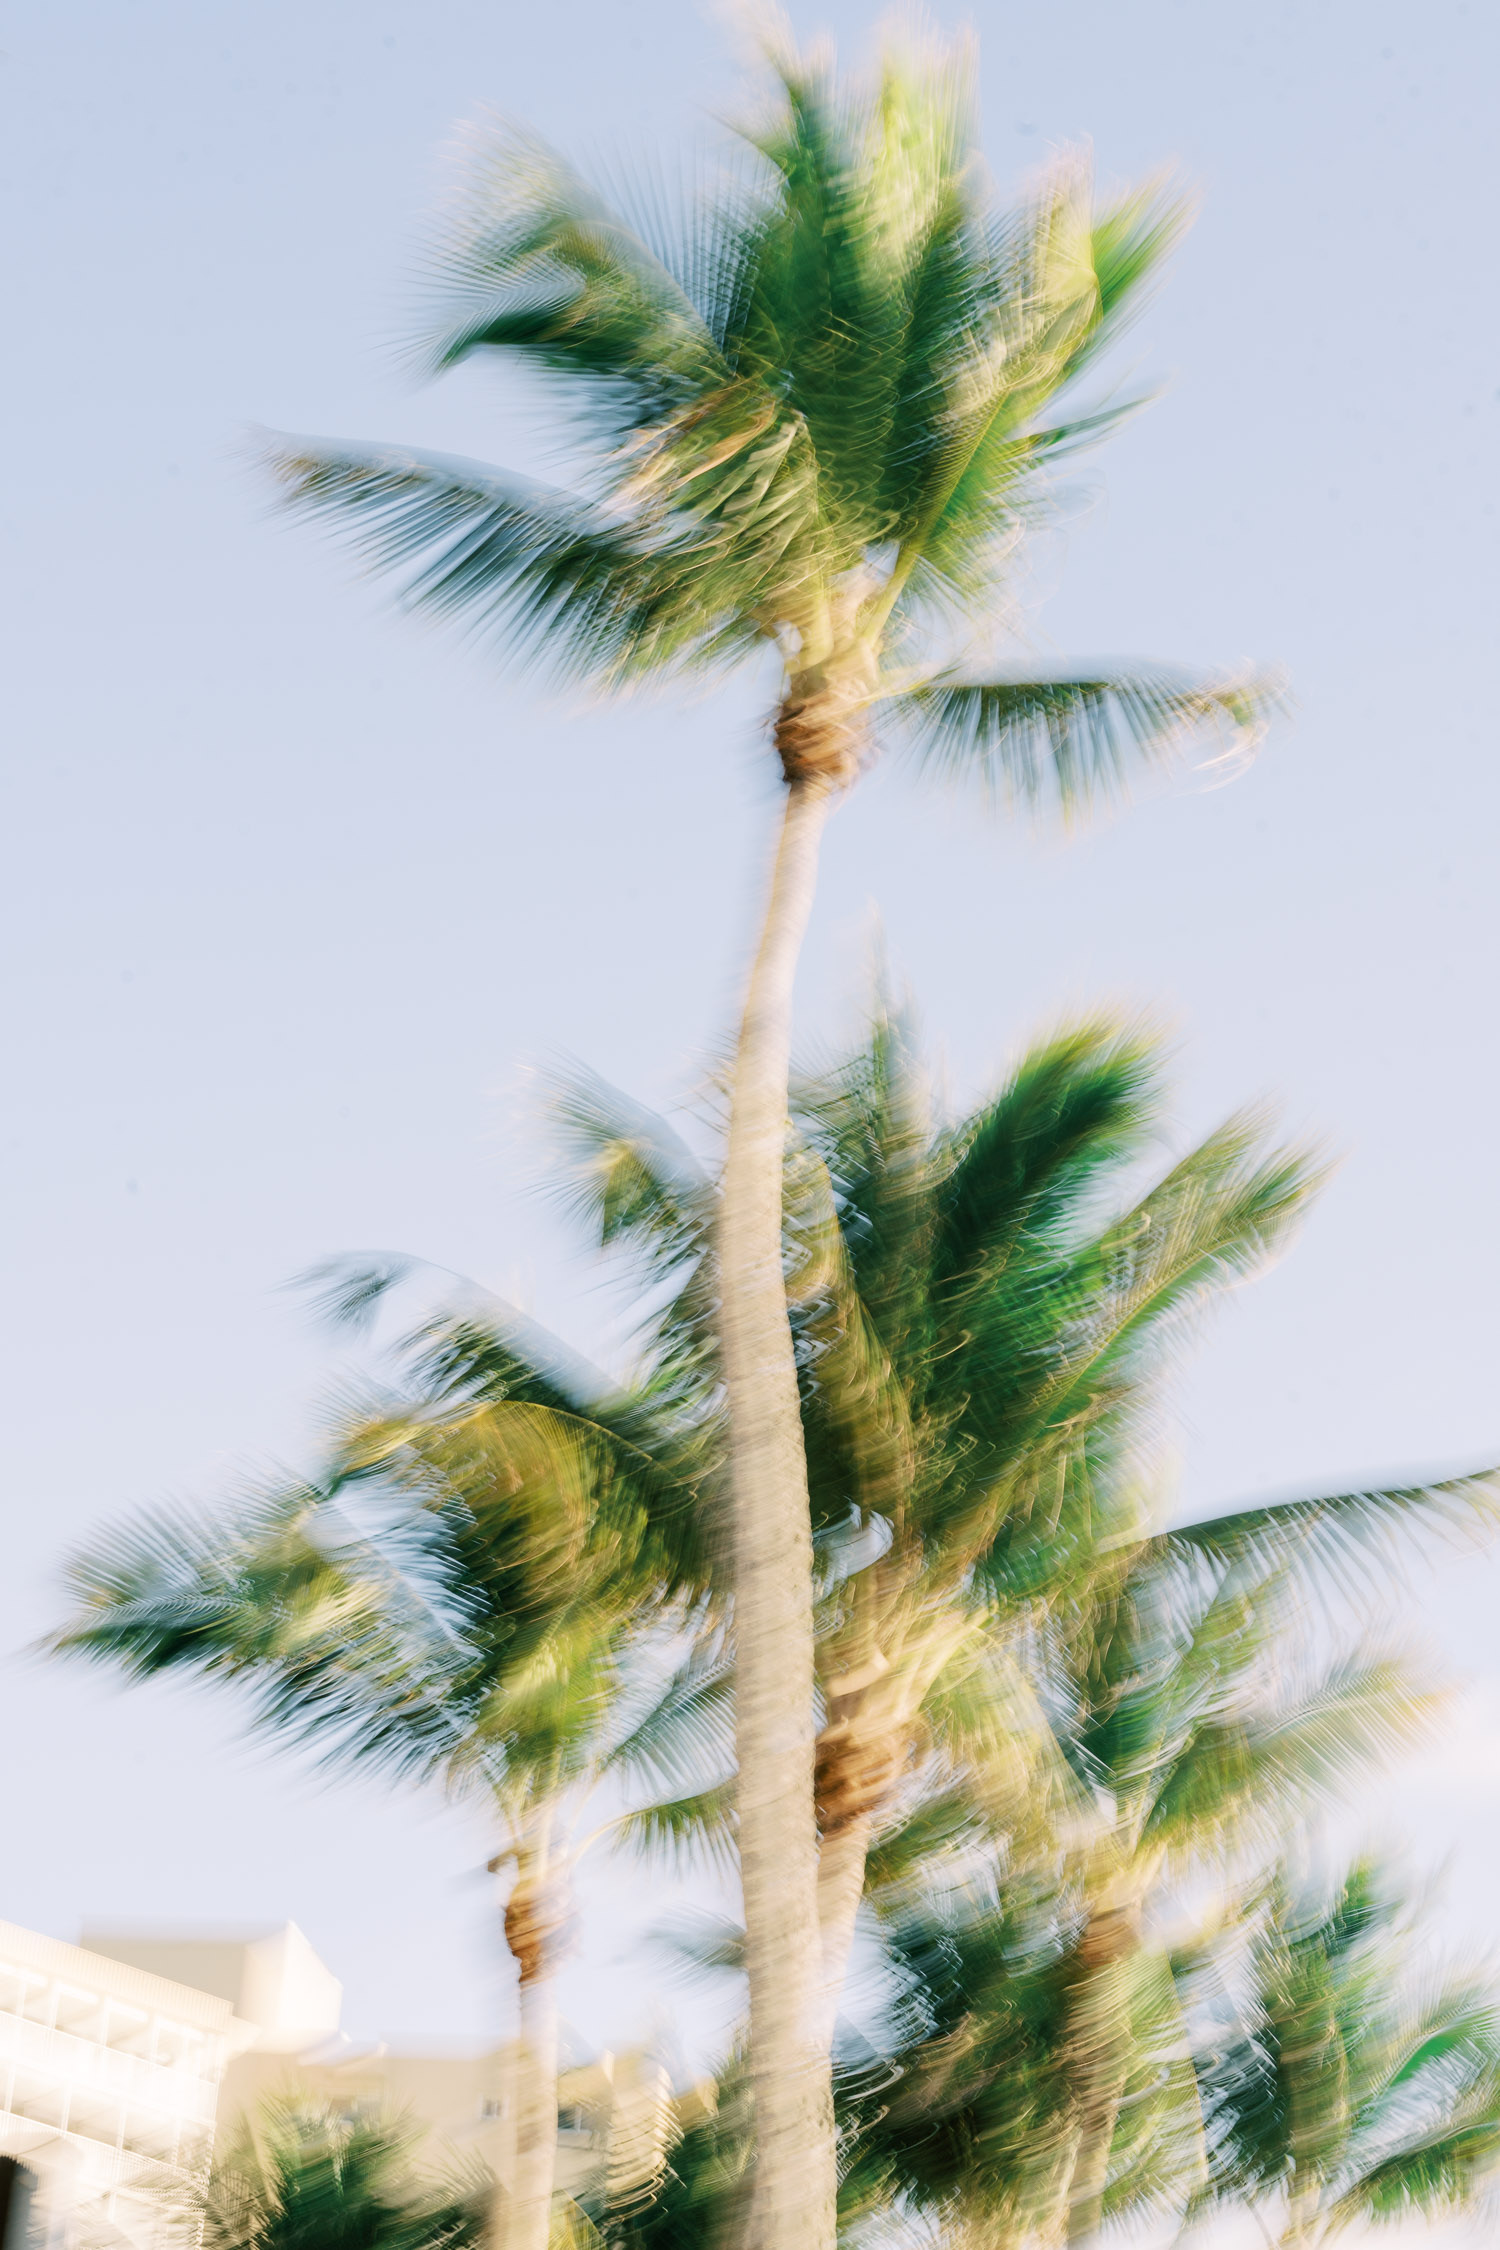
127 2058
109 2089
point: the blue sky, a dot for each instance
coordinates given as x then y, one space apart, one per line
298 891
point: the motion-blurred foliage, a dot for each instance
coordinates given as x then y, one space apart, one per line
1064 1740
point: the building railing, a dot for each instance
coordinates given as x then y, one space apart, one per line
93 2068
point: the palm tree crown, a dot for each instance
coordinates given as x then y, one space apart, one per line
814 414
984 1308
483 1590
1341 2080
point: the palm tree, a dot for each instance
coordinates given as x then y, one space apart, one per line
981 1340
1201 1734
1341 2080
483 1589
1038 2068
309 2179
817 416
979 1344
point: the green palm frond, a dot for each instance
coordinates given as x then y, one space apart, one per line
1078 1106
1259 1772
856 1416
943 1827
1075 739
1156 2159
348 1292
1350 1540
454 1602
1035 301
639 1190
534 262
1447 2172
1130 241
682 1832
955 2106
170 1592
699 1943
550 572
1212 1220
1355 2085
690 1725
628 1176
304 2178
351 1652
478 1348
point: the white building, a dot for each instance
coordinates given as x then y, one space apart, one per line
110 2083
125 2057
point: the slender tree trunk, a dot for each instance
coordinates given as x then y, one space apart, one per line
1302 2218
841 1886
792 2206
1099 2116
521 2213
1098 2049
528 2217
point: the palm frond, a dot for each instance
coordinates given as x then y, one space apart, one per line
1353 2084
534 262
1350 1540
1130 241
305 2177
698 1943
1447 2172
1246 1771
1077 1106
1075 739
681 1832
1215 1217
352 1652
348 1292
554 576
627 1175
1045 295
689 1727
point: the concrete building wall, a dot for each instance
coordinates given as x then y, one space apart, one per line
271 1978
460 2110
109 2084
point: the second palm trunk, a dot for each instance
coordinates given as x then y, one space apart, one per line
792 2206
534 1916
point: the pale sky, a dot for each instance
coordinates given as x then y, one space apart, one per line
297 889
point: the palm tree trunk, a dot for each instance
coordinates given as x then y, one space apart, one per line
528 2216
1098 2051
1098 2116
841 1886
793 2201
521 2213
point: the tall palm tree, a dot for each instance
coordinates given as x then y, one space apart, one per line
817 414
1341 2079
483 1589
